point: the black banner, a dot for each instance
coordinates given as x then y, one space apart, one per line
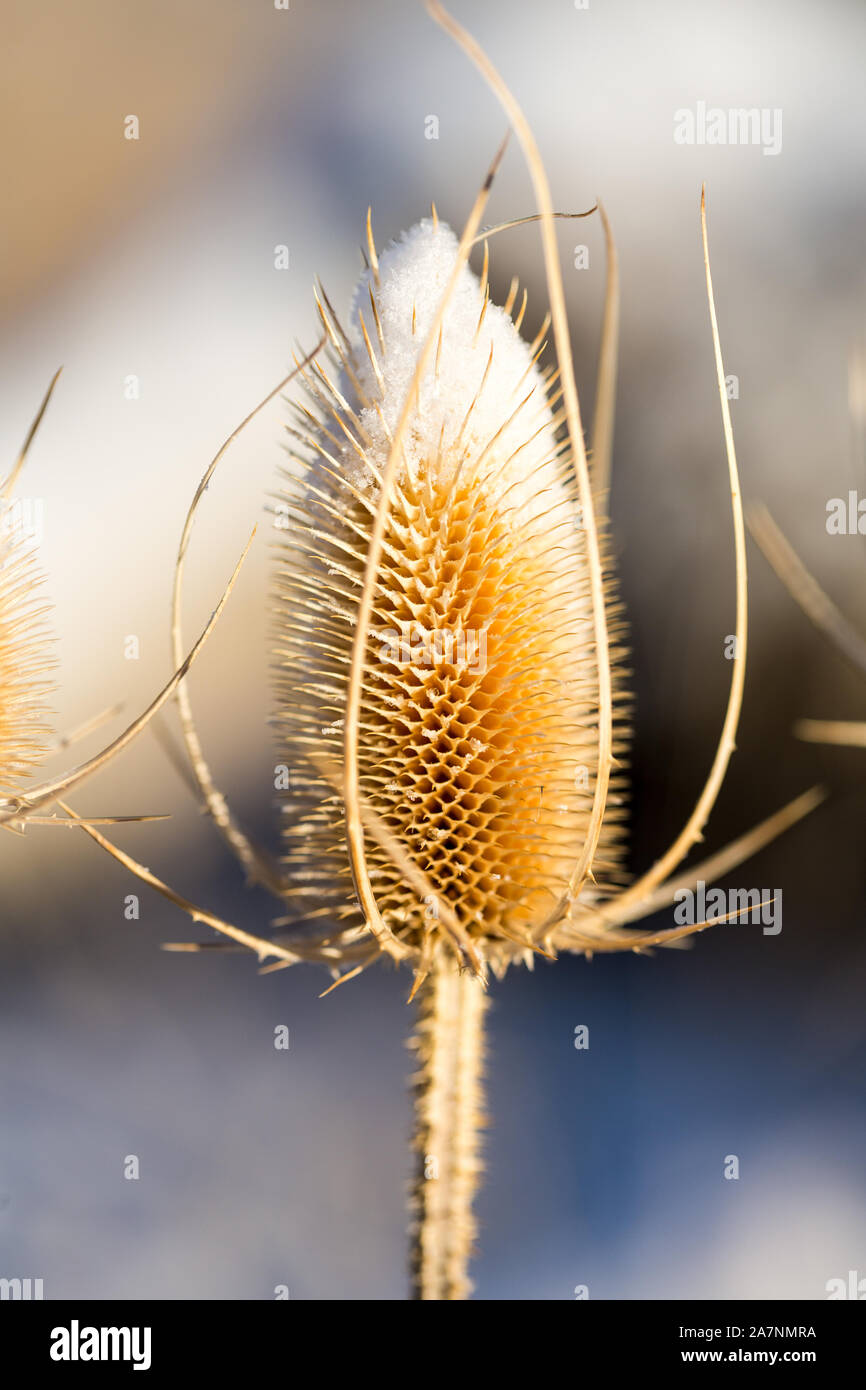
154 1339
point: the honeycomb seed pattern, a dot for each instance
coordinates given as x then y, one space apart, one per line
479 700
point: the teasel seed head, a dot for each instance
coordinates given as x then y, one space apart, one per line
25 686
479 702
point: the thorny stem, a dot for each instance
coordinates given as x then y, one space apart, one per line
449 1115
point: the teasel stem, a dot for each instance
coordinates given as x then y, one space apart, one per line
449 1116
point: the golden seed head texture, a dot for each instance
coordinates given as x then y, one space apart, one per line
24 689
479 705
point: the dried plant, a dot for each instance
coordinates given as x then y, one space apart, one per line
26 685
808 594
453 809
25 642
827 618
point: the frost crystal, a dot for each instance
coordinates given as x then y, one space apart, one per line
413 276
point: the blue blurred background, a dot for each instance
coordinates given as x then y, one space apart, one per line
155 258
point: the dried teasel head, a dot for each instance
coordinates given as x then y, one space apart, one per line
478 709
449 659
26 662
26 686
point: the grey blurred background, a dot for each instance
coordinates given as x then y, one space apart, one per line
155 257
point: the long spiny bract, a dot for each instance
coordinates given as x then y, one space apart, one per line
479 700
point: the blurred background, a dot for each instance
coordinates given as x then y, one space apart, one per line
155 259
